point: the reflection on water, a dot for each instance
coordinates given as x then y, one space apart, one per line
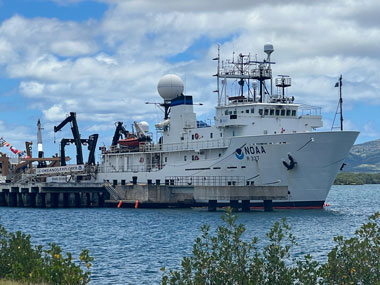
131 245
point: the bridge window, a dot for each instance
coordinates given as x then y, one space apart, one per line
247 111
261 112
211 135
266 112
226 112
287 112
271 112
282 112
294 113
185 158
277 112
252 110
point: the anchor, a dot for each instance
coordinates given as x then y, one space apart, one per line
291 163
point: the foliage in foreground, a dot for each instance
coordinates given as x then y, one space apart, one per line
20 261
225 258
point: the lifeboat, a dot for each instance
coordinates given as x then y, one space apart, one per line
133 142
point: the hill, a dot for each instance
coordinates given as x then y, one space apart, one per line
364 157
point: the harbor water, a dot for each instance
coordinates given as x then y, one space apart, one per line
131 245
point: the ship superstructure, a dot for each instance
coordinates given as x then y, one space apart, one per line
258 137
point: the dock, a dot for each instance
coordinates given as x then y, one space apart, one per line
52 195
160 196
149 195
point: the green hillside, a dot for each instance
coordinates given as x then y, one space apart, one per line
364 157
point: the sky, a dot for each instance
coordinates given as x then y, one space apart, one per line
103 59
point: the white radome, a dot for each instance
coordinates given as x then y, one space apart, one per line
170 86
268 48
144 126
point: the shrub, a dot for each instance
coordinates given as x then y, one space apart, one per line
224 258
20 261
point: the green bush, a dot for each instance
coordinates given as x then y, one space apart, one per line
20 261
224 258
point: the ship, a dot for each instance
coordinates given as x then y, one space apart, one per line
259 136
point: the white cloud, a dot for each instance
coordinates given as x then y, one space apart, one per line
13 134
71 48
31 88
369 130
54 113
105 70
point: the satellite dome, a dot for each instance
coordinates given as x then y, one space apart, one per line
170 86
144 126
268 48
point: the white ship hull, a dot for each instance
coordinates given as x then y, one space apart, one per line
256 137
318 157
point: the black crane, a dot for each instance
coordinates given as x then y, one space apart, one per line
120 130
76 135
91 145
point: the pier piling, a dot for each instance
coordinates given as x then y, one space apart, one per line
212 205
245 205
268 206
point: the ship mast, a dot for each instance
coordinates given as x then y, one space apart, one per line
340 104
244 71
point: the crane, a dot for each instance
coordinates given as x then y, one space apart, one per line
119 131
76 135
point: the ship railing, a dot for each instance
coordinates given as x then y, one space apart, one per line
131 168
205 180
308 110
189 145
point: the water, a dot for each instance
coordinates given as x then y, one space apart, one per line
131 245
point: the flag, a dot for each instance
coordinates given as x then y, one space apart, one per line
337 84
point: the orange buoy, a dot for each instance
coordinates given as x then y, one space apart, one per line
120 203
137 204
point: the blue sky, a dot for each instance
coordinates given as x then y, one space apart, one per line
103 59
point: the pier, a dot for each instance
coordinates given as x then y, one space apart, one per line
160 196
53 195
149 195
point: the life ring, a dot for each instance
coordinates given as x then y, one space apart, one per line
196 136
141 159
196 157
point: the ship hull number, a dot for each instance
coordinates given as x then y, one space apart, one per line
250 153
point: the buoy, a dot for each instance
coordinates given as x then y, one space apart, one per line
120 203
137 204
196 136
